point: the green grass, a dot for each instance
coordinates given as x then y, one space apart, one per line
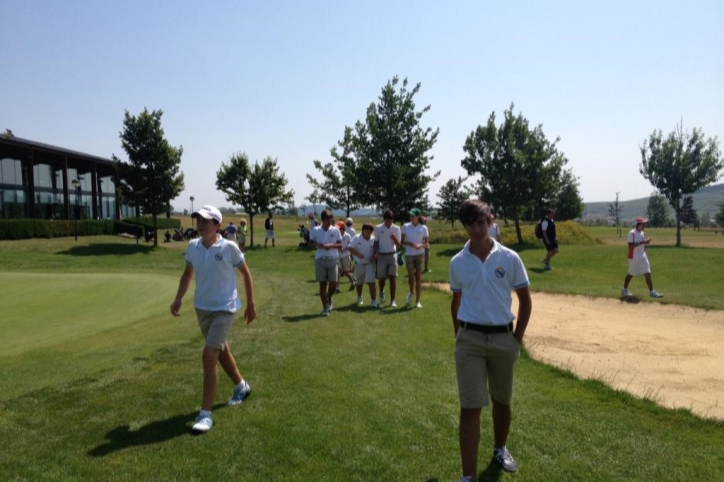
109 387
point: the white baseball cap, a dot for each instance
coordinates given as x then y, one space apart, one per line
349 222
208 212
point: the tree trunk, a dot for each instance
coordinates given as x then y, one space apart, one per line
155 230
251 228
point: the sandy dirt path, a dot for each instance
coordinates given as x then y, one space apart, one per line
672 354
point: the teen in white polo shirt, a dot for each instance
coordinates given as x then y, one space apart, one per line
387 239
415 238
328 241
215 260
362 248
638 260
487 343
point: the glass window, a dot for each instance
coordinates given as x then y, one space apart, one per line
43 174
11 172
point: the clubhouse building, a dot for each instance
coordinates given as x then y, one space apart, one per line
41 181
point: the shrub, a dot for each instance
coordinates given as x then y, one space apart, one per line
43 228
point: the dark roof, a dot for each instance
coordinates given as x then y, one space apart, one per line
18 141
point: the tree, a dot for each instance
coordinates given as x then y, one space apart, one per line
520 169
337 188
615 210
568 202
720 214
688 213
657 211
391 152
452 194
257 189
680 165
314 198
152 177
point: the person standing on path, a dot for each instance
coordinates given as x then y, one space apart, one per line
638 260
487 342
215 260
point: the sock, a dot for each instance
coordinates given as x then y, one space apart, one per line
240 385
205 413
499 449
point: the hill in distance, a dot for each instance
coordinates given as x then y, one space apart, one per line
706 200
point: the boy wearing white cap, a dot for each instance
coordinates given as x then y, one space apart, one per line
638 261
215 260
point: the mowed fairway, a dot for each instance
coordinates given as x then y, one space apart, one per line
363 395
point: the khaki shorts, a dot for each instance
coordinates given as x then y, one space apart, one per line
364 273
639 267
386 266
269 234
344 264
484 365
216 327
414 263
325 270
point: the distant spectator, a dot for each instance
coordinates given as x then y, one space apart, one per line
548 227
269 226
242 235
231 232
638 260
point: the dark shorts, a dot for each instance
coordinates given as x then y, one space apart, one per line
552 246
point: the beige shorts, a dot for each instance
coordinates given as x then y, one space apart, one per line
638 267
216 327
484 365
364 273
414 263
344 264
325 270
386 266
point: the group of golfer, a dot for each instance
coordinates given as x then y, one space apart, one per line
483 277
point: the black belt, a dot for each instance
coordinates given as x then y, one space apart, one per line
391 252
489 329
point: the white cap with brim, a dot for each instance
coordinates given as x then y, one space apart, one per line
208 212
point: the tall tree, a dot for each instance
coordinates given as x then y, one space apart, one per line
451 195
314 198
258 189
615 210
337 186
520 169
679 165
657 210
152 177
391 152
568 202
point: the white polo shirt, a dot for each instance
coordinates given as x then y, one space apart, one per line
215 270
364 246
416 235
382 236
346 238
351 231
331 236
638 252
487 286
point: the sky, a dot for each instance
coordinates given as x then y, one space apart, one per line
284 78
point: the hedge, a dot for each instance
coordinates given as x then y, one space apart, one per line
163 222
43 228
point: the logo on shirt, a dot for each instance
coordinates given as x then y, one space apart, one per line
499 272
218 256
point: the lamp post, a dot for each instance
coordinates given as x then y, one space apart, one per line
76 185
192 204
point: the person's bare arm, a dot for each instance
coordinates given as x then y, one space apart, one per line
454 307
183 287
525 306
250 310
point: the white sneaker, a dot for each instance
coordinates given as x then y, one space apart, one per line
240 394
373 304
325 312
329 305
467 478
626 293
655 294
382 296
418 305
360 301
408 299
393 304
203 424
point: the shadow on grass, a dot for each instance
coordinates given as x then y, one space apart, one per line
298 318
155 432
107 250
491 473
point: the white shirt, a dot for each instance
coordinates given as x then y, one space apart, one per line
351 231
366 248
494 231
639 252
382 237
487 286
330 236
215 270
416 235
346 238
